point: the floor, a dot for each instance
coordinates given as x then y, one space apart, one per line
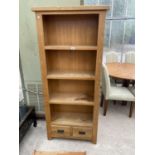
116 136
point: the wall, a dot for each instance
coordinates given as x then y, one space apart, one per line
29 44
28 35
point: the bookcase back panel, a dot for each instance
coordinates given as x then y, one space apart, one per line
71 61
72 86
70 29
71 108
71 115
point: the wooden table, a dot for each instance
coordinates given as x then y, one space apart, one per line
123 71
58 153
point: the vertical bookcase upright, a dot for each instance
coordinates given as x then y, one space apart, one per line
71 44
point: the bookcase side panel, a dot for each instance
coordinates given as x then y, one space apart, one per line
39 22
98 70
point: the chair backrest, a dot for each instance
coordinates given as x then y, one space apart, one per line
105 81
130 57
111 57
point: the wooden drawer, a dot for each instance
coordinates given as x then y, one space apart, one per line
82 132
61 131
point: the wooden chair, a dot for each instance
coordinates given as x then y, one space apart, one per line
130 57
116 93
111 57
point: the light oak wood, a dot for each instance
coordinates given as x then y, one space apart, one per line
58 153
72 119
61 131
44 71
71 75
71 30
84 133
75 63
71 12
65 47
100 41
72 86
71 108
75 8
71 46
121 70
71 99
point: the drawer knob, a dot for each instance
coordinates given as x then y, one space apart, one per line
60 131
82 133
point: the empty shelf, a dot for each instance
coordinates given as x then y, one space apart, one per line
65 47
71 75
74 119
71 98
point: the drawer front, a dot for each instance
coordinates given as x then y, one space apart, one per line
61 131
82 132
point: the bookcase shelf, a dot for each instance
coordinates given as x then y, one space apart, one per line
70 29
71 75
71 46
71 99
73 119
77 64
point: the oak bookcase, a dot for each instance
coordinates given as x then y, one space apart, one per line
71 44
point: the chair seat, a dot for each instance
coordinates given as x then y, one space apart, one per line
121 94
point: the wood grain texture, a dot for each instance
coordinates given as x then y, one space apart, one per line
61 131
74 47
71 45
71 109
77 8
100 44
71 12
71 99
71 30
71 75
72 86
72 119
43 71
73 62
82 132
58 153
124 71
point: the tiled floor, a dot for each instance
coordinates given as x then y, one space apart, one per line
116 134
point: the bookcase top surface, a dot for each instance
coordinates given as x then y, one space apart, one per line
75 8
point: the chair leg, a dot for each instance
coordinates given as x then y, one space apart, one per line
131 109
133 83
101 104
114 102
105 107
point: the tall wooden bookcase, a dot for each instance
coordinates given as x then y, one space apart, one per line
71 44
